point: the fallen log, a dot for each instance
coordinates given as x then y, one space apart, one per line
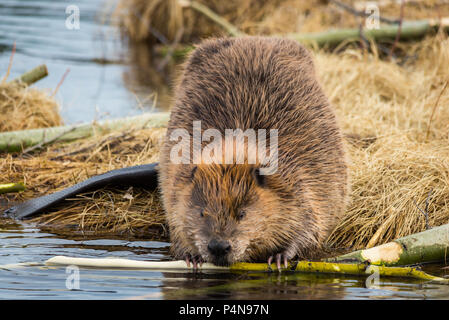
361 5
16 141
33 75
331 38
409 30
427 246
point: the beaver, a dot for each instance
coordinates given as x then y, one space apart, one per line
228 212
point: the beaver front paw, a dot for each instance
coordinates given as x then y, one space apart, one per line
196 261
279 258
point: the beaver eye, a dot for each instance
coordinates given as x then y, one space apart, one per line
202 213
242 214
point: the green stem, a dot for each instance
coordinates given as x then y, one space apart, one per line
11 187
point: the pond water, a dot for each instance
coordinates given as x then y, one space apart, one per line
21 242
104 81
101 81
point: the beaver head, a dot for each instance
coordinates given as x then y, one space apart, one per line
233 213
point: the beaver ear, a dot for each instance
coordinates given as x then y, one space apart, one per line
258 177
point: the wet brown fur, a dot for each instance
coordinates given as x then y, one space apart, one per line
258 83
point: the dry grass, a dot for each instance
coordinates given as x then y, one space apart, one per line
390 107
398 155
22 108
133 211
143 20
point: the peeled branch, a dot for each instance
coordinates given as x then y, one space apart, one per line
427 246
301 266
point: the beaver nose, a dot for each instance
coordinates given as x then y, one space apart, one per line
219 248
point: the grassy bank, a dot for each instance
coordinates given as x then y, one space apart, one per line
22 107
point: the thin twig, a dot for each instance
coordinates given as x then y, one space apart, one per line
157 34
427 200
11 58
363 40
361 13
417 3
367 44
434 109
61 81
398 34
425 212
171 50
46 142
102 142
201 8
93 145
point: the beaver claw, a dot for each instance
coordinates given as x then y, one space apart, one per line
196 260
279 257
